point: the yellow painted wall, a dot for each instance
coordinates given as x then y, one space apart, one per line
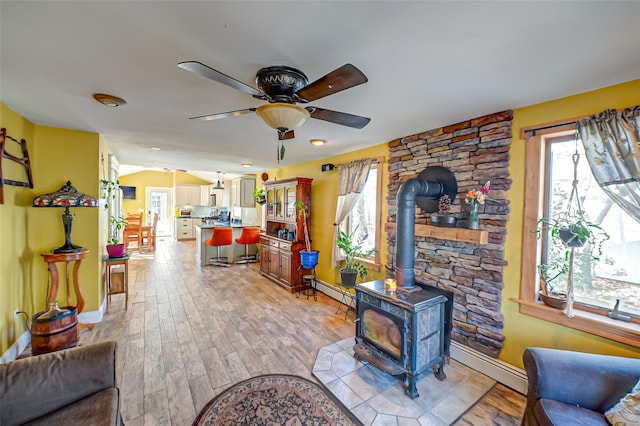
56 155
142 180
62 155
522 331
324 193
14 249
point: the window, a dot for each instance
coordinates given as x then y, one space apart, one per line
548 178
366 213
617 275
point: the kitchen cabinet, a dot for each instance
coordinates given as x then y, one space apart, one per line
205 252
264 255
277 265
188 195
242 192
205 196
279 256
184 228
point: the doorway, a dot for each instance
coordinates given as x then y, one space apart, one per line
158 201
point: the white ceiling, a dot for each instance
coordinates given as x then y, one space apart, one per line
429 64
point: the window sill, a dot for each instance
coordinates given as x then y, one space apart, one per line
370 265
619 331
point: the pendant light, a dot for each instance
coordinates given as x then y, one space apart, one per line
218 184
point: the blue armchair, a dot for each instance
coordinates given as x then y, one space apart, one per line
573 388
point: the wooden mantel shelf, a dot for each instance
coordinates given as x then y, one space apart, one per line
454 234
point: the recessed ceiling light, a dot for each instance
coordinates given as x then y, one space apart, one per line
109 100
247 164
155 149
317 142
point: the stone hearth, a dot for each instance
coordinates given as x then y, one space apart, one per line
476 151
378 399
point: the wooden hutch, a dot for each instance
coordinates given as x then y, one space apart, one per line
284 238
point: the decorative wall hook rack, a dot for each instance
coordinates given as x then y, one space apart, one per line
24 161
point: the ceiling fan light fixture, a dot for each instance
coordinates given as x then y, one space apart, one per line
109 100
317 142
282 116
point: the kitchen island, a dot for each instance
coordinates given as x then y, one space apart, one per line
204 253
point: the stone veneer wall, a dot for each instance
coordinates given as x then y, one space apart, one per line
476 151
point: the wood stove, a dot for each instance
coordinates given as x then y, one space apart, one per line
407 332
402 333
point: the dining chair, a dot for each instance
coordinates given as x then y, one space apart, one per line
132 232
149 234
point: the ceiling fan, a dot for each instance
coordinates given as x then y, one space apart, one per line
284 87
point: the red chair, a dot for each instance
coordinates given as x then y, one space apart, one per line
250 235
220 237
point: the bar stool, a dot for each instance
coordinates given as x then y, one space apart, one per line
220 237
250 235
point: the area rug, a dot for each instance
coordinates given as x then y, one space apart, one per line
275 399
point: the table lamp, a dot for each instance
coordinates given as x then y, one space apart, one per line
67 196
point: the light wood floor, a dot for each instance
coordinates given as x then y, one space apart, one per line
191 332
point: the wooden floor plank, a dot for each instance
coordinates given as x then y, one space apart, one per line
190 333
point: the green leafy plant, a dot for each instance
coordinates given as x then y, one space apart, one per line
566 232
116 222
353 250
116 225
260 195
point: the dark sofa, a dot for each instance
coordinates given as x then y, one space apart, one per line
72 387
574 388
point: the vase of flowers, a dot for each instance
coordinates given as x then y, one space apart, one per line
475 198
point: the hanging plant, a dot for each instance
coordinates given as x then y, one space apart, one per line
260 195
569 231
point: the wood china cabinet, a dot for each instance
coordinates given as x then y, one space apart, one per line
280 253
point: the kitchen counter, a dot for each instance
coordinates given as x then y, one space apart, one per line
204 253
219 225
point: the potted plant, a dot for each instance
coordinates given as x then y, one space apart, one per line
115 248
308 257
353 250
444 217
567 233
260 195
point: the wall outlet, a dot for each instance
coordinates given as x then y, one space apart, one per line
15 315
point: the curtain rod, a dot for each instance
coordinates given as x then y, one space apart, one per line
552 125
567 122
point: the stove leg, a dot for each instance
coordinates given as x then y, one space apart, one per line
411 390
439 371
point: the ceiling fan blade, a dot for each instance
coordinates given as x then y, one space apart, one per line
215 75
223 114
345 77
283 136
350 120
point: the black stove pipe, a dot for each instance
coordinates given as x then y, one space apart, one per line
406 223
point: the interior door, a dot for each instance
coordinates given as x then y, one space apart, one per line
159 201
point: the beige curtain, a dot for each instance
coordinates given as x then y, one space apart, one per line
612 146
351 180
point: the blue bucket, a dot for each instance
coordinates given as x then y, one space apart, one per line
309 259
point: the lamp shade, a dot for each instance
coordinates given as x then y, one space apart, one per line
281 116
67 196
